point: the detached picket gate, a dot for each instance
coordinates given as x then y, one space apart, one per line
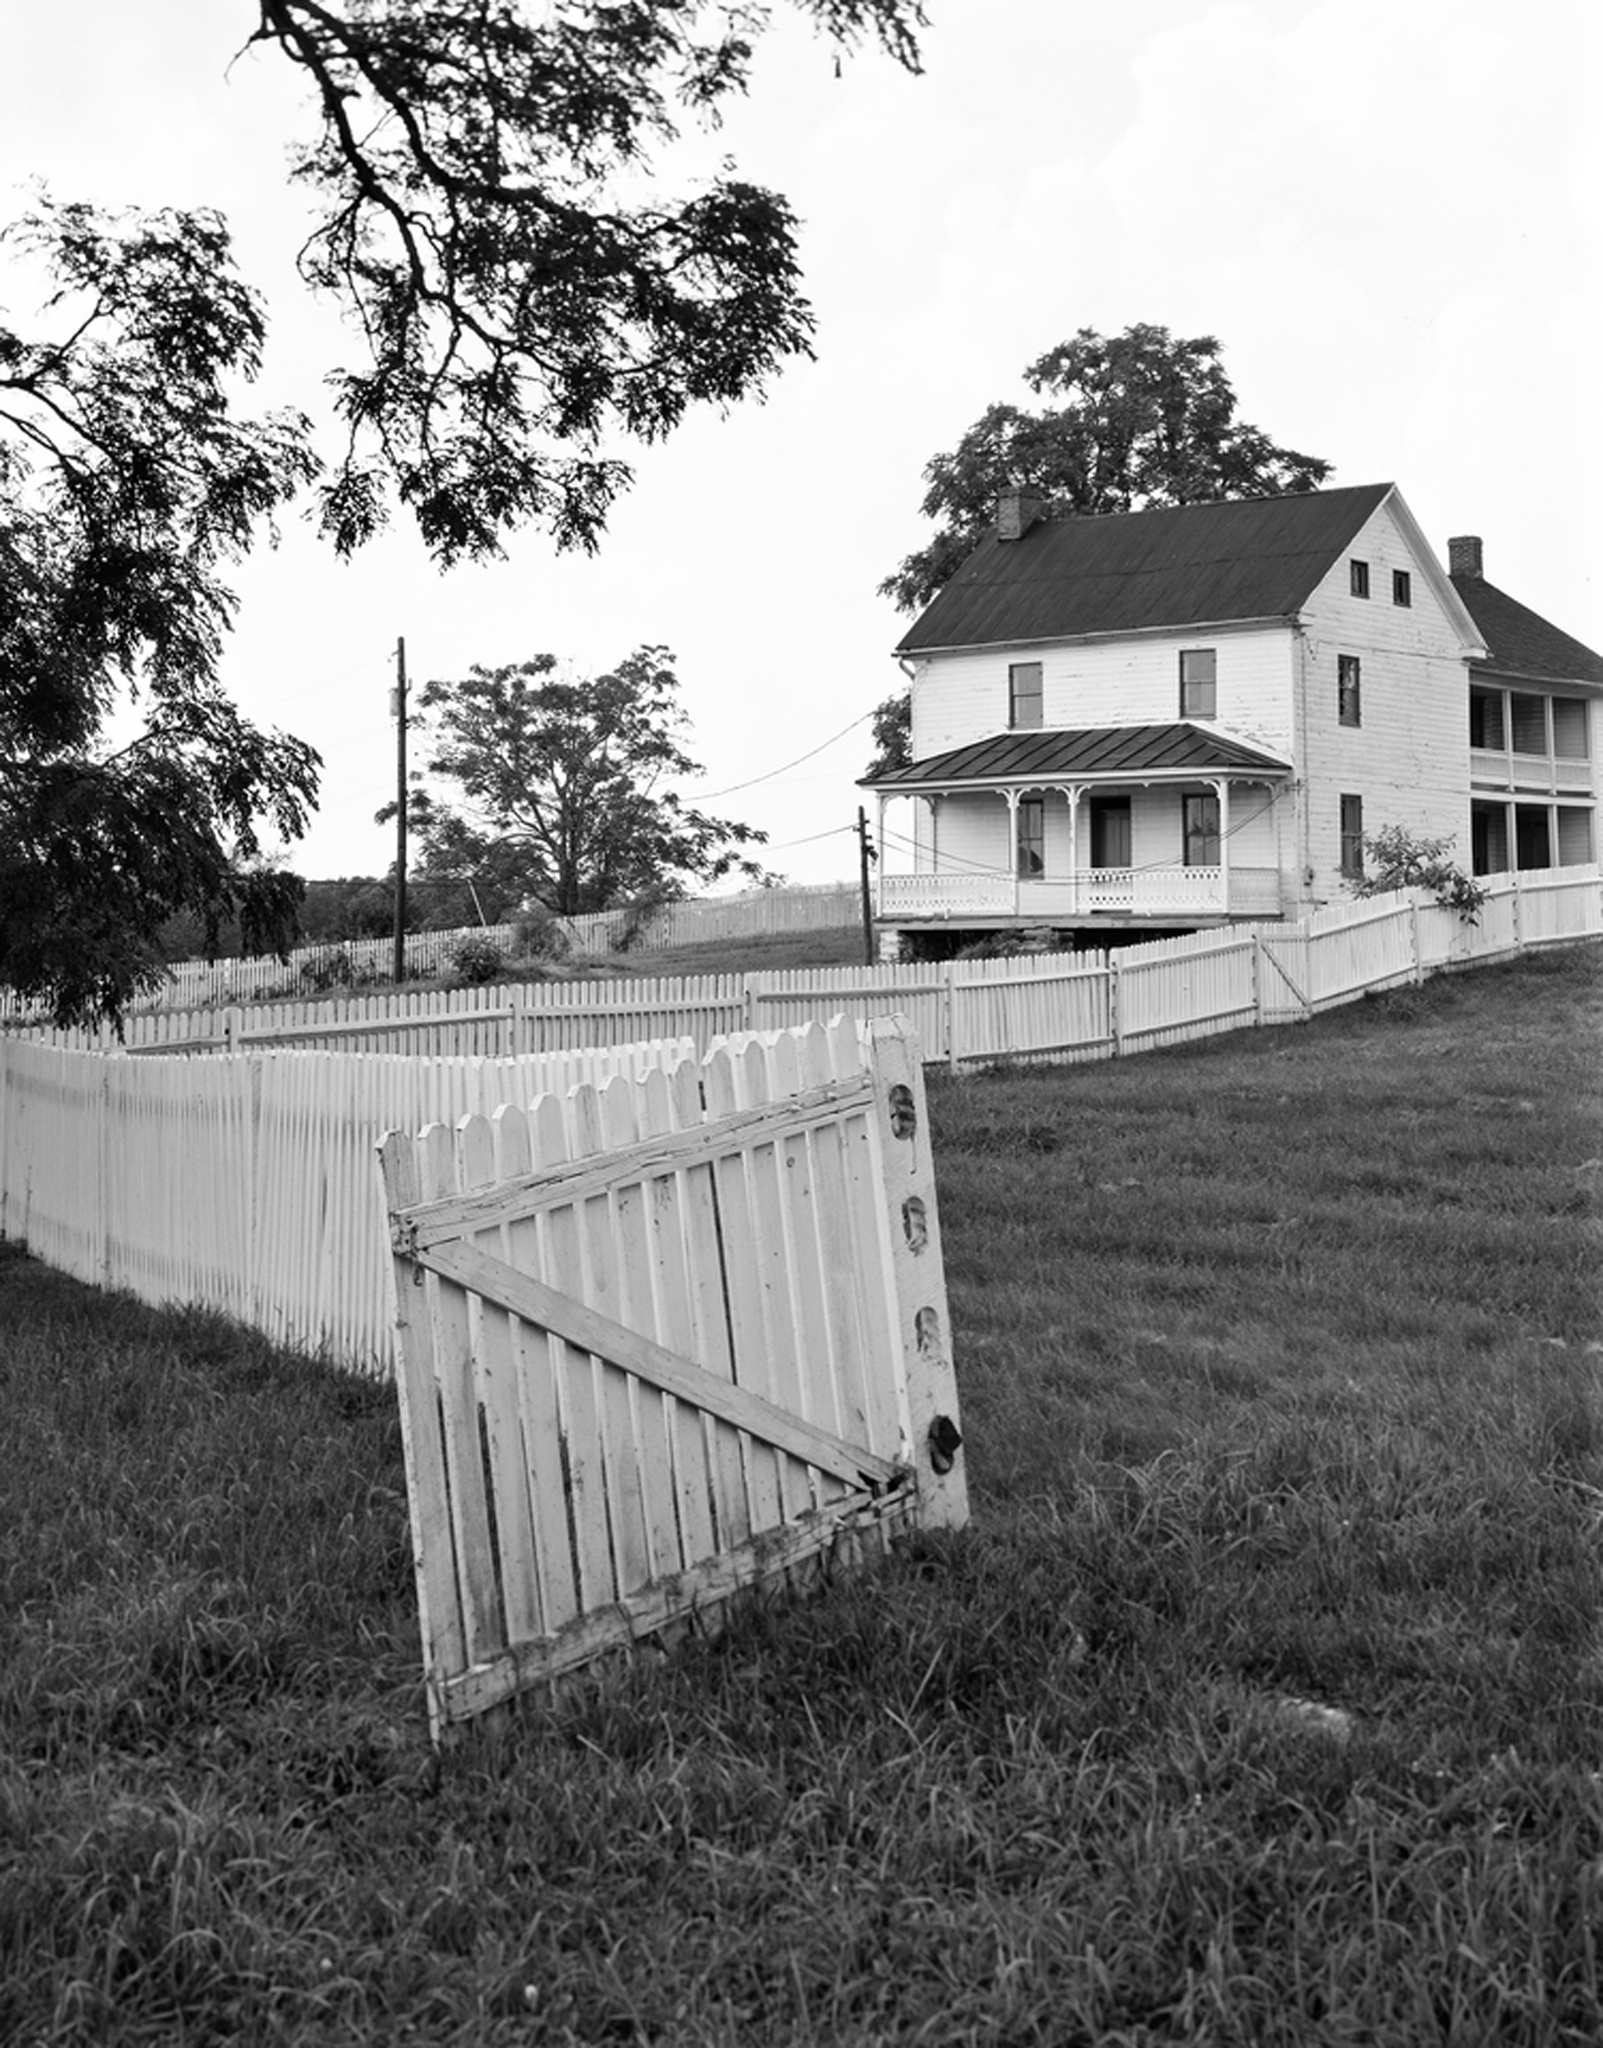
664 1340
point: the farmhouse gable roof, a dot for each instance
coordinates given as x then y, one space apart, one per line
1230 562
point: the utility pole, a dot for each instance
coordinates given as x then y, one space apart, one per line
865 853
399 701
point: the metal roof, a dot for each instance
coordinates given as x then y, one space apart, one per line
1111 750
1521 642
1238 559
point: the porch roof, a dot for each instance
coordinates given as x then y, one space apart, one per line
1102 752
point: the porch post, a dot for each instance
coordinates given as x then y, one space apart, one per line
1072 792
880 801
1011 798
1221 789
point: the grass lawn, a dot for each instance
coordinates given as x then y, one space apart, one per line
1263 1703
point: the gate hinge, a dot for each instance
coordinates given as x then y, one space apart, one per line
944 1443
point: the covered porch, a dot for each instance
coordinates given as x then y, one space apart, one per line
1131 825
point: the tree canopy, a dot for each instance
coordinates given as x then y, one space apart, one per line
127 483
523 287
565 786
1132 421
525 297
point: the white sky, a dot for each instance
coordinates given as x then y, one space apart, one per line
1387 211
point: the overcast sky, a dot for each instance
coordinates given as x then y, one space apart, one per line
1386 210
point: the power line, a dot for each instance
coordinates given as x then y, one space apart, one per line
834 832
707 795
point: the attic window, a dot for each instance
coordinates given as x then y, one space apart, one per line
1402 587
1199 685
1359 574
1024 694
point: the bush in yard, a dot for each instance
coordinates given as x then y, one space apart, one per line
539 935
1395 859
328 970
477 960
640 913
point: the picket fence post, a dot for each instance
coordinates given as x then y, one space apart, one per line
1413 939
949 1014
748 1002
1115 1020
233 1029
1517 921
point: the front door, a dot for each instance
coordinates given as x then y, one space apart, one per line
1110 831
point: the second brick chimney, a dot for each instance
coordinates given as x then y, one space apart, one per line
1464 555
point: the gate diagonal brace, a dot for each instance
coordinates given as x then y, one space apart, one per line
534 1301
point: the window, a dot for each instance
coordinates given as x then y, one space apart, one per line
1110 831
1200 830
1199 673
1486 719
1359 574
1352 835
1032 837
1024 694
1347 689
1569 729
1527 717
1533 848
1488 839
1402 587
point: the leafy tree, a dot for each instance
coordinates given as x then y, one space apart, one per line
893 734
127 481
524 296
522 286
563 784
1133 421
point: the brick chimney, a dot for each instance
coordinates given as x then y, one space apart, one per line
1464 556
1016 512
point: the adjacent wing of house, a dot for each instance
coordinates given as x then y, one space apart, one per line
1154 721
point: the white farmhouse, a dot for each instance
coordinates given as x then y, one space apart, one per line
1151 722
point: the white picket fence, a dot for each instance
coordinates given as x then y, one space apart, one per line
1065 1005
764 913
245 1184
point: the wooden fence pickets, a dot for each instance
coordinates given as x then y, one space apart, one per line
657 1342
245 1184
1068 1005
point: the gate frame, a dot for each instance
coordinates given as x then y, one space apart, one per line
439 1201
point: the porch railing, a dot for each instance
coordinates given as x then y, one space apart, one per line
1528 771
1144 892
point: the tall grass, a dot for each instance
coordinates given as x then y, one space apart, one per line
1263 1702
